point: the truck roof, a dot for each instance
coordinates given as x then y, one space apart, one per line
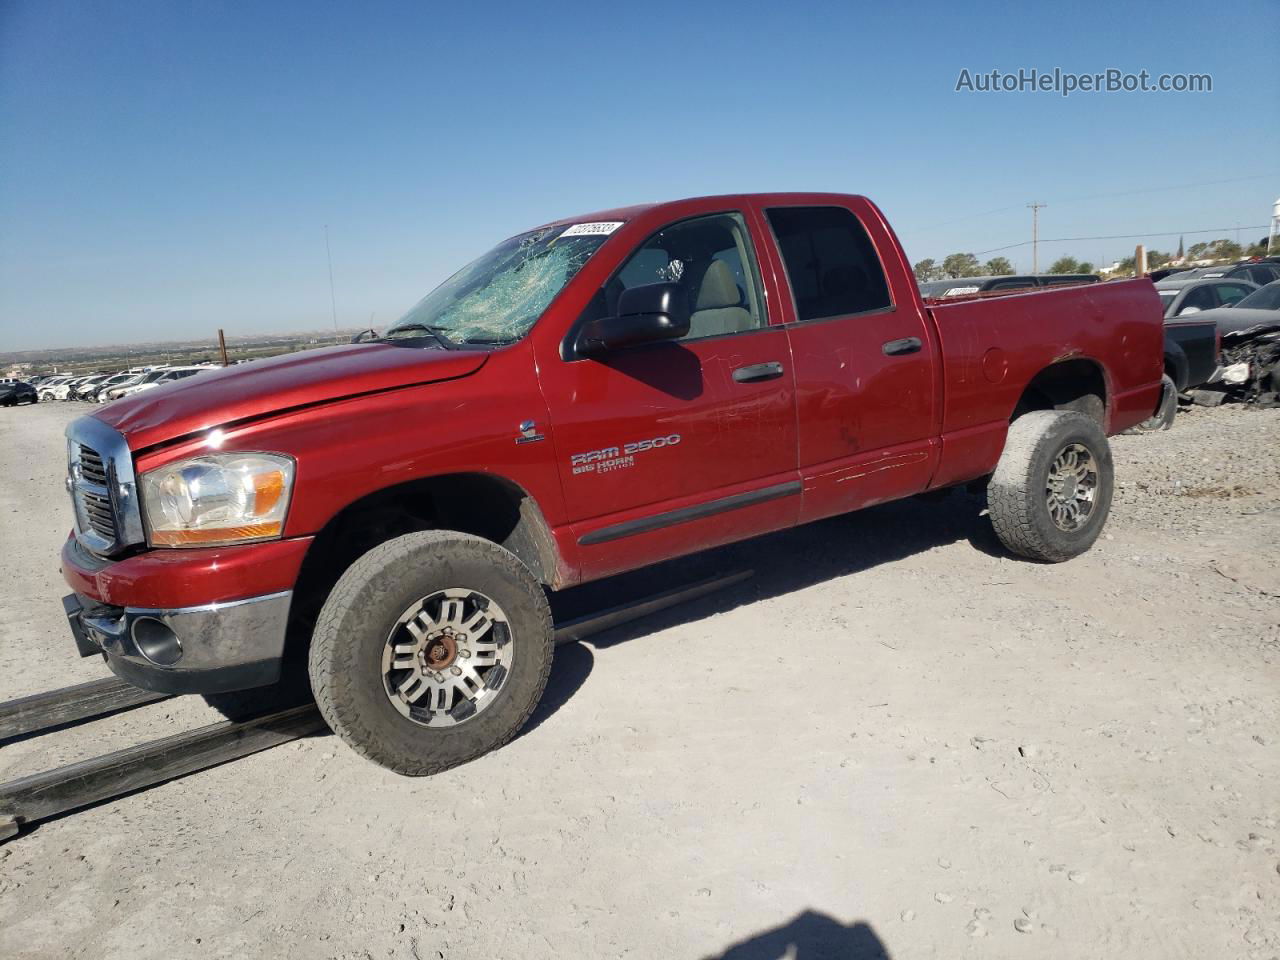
634 210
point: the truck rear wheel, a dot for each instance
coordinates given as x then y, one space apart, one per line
1051 491
431 650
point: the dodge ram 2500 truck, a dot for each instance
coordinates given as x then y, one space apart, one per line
589 397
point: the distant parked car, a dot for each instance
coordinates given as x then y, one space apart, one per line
47 387
1259 307
84 389
1155 276
62 391
158 377
1260 273
117 390
970 286
1181 297
97 393
143 381
14 392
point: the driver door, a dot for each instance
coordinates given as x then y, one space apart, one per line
672 447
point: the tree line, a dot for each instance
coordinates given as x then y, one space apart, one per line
967 265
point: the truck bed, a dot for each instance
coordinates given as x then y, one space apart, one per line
994 346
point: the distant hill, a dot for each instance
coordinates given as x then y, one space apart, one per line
106 357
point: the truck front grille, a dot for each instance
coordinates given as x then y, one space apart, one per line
98 514
91 491
92 467
104 493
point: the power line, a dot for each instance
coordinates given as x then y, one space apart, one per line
333 303
1035 235
1118 236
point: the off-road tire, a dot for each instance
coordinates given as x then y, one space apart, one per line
1016 494
346 649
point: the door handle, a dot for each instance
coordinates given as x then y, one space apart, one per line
898 348
758 371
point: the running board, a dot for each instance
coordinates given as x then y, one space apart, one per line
44 795
70 705
593 623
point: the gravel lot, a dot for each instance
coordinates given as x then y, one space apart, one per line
895 738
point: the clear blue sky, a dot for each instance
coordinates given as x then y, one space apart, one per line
167 168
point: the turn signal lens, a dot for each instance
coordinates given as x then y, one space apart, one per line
217 500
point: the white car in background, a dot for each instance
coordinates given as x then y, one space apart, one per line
157 377
115 380
60 391
48 388
135 376
139 381
110 391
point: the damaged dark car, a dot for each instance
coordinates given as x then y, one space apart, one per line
1249 366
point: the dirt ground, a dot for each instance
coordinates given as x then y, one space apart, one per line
896 739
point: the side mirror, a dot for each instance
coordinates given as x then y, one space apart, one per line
646 314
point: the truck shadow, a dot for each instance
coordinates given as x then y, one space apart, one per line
809 936
783 562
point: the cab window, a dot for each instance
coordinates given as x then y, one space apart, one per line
712 260
831 263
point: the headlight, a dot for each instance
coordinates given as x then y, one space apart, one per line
216 500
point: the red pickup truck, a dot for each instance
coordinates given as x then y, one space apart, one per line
597 394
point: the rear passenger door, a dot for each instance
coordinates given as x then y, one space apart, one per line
864 359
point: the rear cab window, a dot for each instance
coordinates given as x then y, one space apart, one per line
831 264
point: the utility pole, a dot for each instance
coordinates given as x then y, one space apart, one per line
222 347
1035 235
333 303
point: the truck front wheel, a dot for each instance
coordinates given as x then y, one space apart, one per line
1051 491
431 650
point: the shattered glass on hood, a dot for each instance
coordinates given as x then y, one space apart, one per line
499 297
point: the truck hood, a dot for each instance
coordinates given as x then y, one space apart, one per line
250 391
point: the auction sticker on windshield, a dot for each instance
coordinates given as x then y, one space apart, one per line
601 228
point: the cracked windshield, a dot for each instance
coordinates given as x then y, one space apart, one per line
499 297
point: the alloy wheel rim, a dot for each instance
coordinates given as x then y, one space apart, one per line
1071 489
447 656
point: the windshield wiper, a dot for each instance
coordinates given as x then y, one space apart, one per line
435 332
490 341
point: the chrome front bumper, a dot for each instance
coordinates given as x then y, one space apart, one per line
206 649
